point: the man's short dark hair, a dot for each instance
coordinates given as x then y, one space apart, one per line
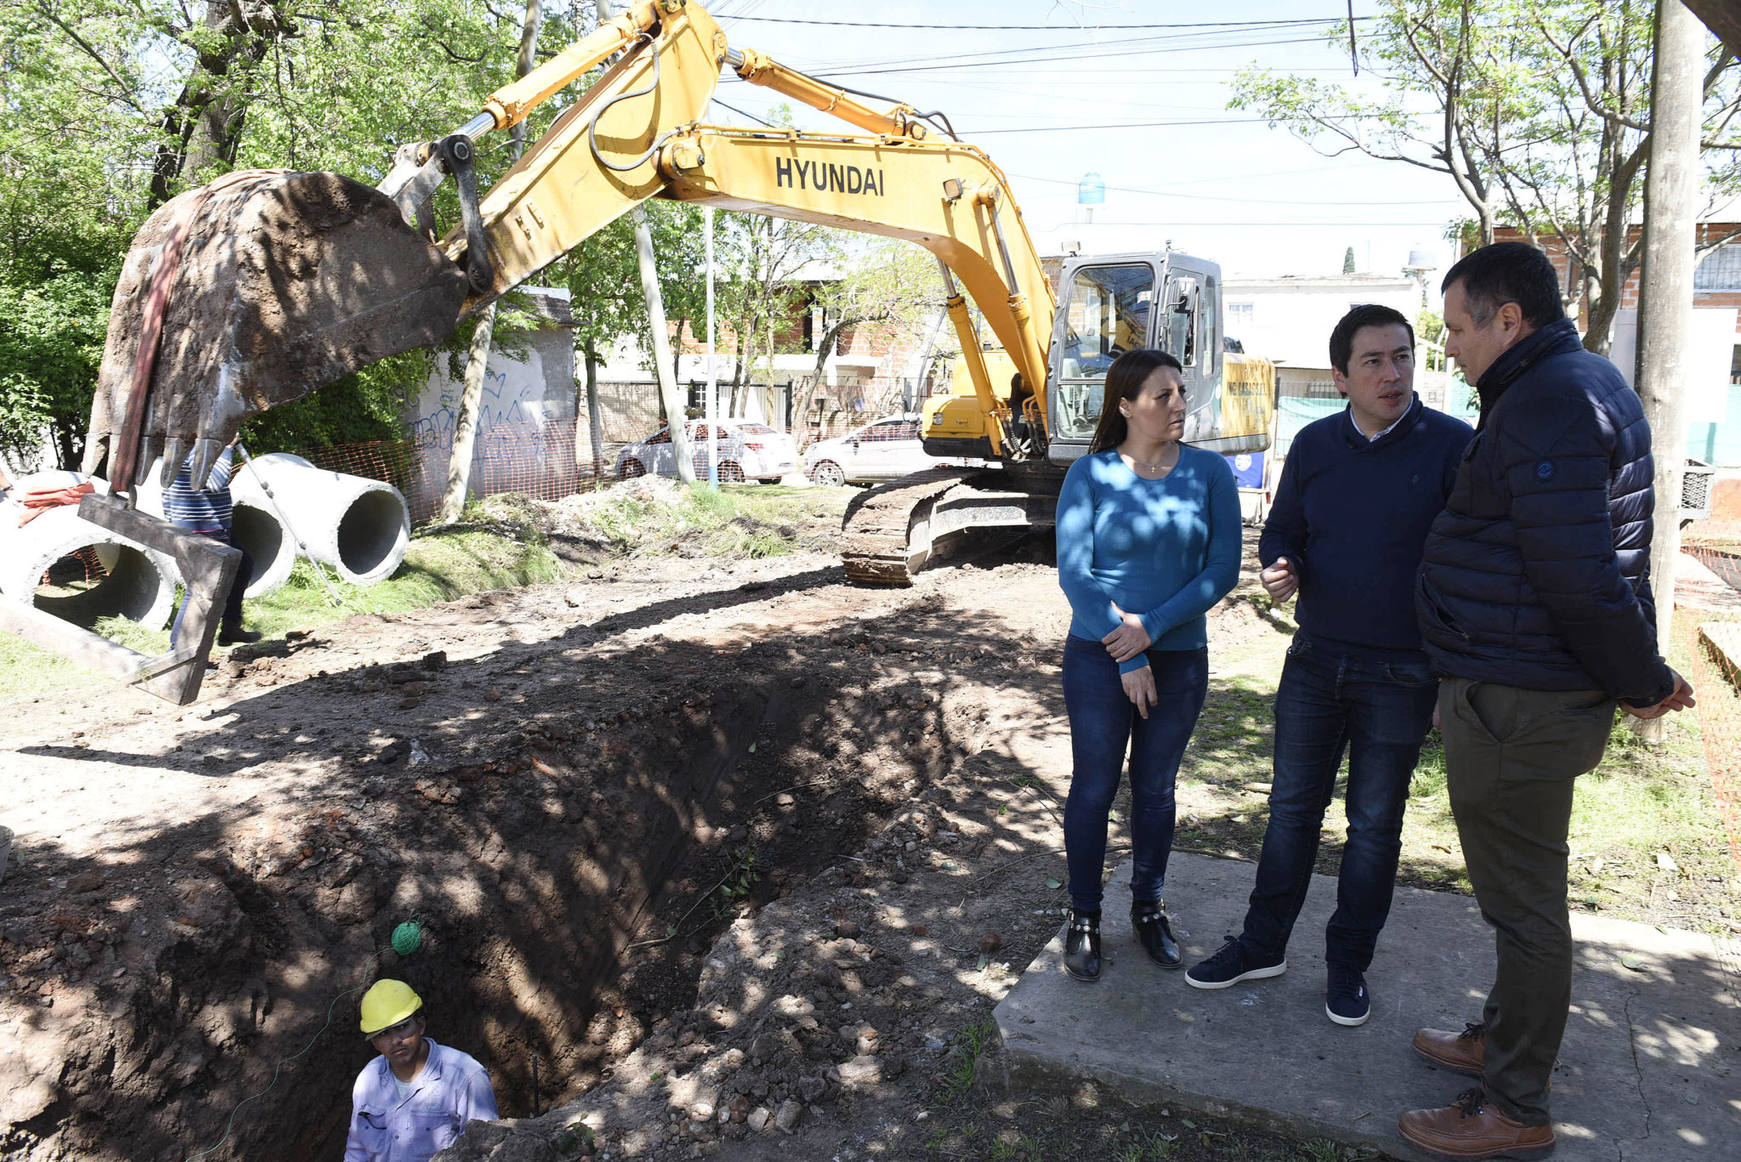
1508 272
1365 315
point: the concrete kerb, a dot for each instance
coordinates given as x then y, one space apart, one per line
1650 1067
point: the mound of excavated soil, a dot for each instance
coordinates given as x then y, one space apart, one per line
574 789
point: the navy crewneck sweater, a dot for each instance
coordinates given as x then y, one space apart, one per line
1352 515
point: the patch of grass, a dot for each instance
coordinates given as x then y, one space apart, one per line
1149 1146
471 557
962 1068
733 521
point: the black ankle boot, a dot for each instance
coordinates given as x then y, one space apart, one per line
235 635
1148 918
1082 945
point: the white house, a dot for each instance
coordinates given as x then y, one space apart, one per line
1288 318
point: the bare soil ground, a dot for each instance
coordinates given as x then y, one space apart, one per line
709 859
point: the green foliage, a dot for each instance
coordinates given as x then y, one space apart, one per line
739 883
962 1067
1538 113
364 406
88 87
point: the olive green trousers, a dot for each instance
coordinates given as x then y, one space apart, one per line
1511 759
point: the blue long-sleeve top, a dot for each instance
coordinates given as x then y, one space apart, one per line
1166 550
1351 515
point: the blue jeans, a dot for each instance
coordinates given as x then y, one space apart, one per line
1379 712
1102 723
231 617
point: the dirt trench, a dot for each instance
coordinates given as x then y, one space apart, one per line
571 805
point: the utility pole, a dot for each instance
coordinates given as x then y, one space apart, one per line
471 401
1665 301
658 331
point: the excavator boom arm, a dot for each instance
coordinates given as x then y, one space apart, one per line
637 134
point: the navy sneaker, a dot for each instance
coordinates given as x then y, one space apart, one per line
1231 965
1346 1000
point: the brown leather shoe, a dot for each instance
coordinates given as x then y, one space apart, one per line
1470 1128
1463 1052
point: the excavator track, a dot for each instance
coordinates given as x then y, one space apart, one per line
892 531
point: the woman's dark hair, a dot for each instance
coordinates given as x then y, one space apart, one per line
1124 379
1508 272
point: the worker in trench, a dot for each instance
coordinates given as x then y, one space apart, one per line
414 1099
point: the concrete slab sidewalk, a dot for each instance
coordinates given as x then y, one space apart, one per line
1650 1069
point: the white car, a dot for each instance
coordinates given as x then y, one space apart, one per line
888 449
747 451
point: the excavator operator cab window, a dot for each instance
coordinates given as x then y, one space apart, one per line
1107 314
1180 339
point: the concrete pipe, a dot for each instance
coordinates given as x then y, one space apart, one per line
133 582
359 526
256 528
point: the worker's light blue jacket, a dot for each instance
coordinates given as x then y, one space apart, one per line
390 1126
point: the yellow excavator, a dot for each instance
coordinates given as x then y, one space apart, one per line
266 285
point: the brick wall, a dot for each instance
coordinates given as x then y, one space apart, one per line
1706 232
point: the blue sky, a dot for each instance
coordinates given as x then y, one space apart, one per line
1053 103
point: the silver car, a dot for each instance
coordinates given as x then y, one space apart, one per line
747 451
885 450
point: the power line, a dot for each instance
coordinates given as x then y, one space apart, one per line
1097 50
1220 198
744 113
1050 27
1289 225
1149 124
958 64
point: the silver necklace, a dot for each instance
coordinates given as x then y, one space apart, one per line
1156 465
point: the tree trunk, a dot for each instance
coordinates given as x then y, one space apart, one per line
1671 206
661 339
677 349
459 468
204 125
669 401
824 348
465 428
594 417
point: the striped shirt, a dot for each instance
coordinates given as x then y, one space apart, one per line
201 510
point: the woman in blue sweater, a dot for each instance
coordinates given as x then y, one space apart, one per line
1148 540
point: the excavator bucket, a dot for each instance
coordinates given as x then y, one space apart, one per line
249 292
262 286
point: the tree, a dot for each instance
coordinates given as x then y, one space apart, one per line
1348 261
115 105
1538 113
885 282
768 286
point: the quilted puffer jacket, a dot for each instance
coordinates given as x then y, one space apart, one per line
1537 572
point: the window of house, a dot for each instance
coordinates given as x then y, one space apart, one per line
1239 316
1720 270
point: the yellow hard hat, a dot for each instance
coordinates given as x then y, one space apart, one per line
386 1004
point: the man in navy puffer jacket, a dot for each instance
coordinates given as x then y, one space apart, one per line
1535 607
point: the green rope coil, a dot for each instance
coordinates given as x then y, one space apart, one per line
407 938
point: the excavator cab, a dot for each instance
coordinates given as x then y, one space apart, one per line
1114 303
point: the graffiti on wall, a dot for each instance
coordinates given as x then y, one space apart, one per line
504 401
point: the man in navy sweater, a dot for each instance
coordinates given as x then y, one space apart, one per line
1359 491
